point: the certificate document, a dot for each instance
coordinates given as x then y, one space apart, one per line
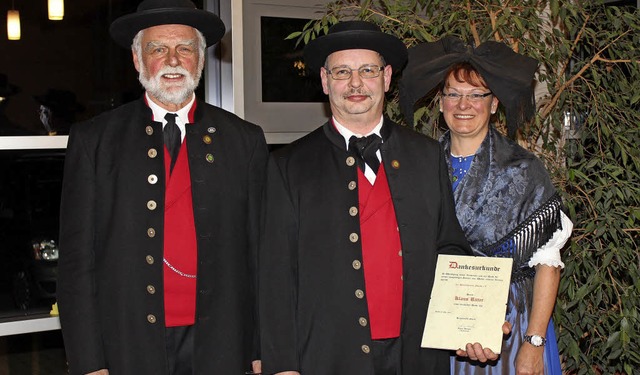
468 302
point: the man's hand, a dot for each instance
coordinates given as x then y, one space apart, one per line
288 373
100 372
476 352
256 367
506 328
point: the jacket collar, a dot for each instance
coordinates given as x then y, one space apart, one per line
338 140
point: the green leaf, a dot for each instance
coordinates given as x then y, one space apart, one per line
554 7
293 35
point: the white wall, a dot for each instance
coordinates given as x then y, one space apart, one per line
240 78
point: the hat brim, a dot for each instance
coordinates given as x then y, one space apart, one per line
390 47
125 28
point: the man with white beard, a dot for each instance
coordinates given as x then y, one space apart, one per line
159 216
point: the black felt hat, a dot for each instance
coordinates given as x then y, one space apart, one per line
166 12
509 75
355 35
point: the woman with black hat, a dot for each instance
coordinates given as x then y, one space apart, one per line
505 201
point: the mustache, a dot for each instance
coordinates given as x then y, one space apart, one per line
173 70
356 91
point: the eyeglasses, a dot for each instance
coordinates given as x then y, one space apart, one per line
365 71
455 97
160 50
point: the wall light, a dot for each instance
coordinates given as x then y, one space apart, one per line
13 25
56 10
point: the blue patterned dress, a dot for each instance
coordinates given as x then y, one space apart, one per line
507 207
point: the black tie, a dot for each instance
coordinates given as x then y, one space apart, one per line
366 148
172 137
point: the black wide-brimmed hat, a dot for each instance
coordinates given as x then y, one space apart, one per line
509 75
166 12
355 35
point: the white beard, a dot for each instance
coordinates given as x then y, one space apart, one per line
167 92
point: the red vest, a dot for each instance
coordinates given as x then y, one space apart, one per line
180 246
381 255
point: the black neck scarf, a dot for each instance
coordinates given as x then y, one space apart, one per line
366 148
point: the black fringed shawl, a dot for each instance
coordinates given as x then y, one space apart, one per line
507 205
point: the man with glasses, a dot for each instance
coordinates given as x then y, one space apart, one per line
355 215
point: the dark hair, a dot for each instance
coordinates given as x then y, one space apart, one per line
465 72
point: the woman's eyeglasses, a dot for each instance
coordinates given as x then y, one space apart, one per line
455 97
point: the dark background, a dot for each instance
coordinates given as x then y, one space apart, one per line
75 54
77 57
284 76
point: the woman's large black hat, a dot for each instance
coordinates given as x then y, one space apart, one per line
509 75
355 35
166 12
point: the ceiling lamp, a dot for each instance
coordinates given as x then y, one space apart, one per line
13 25
56 10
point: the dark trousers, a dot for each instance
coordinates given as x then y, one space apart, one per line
179 342
387 355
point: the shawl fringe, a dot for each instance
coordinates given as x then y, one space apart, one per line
524 240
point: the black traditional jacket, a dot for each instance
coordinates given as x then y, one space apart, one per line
313 312
111 241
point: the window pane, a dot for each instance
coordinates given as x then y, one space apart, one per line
71 66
